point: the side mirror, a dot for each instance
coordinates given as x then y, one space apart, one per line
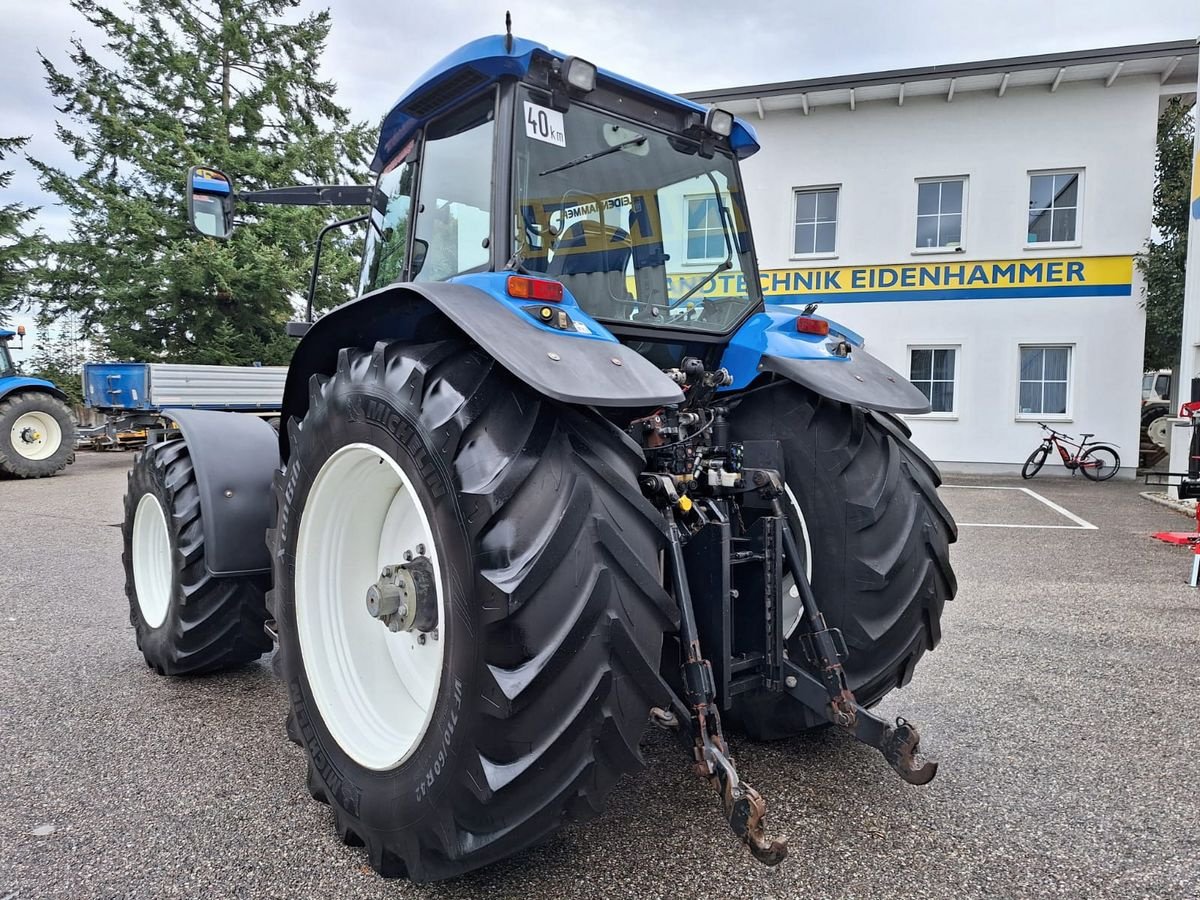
210 202
419 251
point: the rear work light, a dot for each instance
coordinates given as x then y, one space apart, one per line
534 288
809 325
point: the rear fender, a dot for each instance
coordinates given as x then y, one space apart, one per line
21 384
581 363
235 458
769 342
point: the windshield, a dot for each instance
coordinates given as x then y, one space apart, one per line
636 224
6 363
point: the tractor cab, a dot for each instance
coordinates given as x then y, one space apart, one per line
7 366
631 200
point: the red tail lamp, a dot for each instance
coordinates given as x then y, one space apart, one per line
534 288
809 325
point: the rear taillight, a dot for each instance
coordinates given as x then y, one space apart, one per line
534 288
809 325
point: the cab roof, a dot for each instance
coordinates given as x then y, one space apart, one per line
481 63
5 333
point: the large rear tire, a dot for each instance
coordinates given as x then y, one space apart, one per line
467 743
878 535
187 621
37 435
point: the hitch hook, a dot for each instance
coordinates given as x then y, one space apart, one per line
745 809
901 750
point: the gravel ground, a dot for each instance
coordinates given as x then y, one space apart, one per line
1062 705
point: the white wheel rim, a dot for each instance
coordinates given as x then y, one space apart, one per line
36 435
375 689
793 608
153 570
1157 432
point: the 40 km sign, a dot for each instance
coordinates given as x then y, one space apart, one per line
545 125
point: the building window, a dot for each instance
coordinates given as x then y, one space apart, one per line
940 206
1045 374
932 370
1053 207
705 236
816 220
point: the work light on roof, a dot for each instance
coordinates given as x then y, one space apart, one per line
579 74
719 122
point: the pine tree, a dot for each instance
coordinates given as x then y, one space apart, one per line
18 247
1164 260
228 83
59 356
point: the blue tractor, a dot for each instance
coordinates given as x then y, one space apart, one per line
557 473
37 432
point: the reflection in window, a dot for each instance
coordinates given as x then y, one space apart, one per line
1045 373
1053 207
816 221
931 369
940 213
705 236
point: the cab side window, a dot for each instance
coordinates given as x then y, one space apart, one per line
387 235
453 215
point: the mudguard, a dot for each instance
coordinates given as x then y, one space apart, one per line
769 342
235 458
582 363
21 383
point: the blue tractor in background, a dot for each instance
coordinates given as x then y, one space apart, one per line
558 472
37 432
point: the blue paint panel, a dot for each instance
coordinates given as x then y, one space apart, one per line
996 293
5 333
487 57
495 285
773 333
116 385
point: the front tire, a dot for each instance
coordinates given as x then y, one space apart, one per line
1034 464
878 536
187 621
550 612
37 435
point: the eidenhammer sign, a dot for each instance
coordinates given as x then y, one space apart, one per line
1090 276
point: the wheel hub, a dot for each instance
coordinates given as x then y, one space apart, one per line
405 596
30 436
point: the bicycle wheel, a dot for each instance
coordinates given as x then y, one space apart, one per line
1100 463
1036 460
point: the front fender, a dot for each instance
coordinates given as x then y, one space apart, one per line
584 365
769 342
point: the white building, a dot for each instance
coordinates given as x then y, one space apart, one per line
977 224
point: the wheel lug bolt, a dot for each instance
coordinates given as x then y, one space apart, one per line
420 638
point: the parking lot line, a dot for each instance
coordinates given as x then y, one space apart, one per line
1080 524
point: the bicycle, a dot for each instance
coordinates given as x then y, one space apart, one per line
1099 462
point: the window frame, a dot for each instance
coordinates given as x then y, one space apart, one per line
1068 415
962 231
792 223
952 414
702 260
1080 184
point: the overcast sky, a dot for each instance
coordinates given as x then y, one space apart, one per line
377 47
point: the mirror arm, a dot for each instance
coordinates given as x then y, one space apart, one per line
312 279
314 195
